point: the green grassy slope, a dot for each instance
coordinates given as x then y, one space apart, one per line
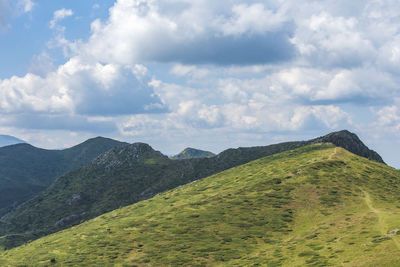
117 178
128 174
316 205
27 170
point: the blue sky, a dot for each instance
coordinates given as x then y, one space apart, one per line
206 74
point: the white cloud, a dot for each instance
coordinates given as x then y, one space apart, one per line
360 85
191 72
327 40
251 19
60 15
243 105
78 87
388 119
26 5
140 71
33 93
190 34
237 68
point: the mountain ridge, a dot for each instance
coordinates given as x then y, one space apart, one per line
316 205
120 177
26 170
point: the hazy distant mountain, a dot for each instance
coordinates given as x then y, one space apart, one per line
128 174
26 170
192 153
6 140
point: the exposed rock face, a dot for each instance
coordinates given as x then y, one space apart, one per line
350 142
130 154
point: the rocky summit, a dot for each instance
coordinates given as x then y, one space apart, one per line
350 142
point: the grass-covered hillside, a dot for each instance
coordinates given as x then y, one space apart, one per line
117 178
317 205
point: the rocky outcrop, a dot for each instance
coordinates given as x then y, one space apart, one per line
192 153
74 199
350 142
129 154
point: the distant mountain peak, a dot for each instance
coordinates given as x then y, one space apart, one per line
350 142
191 153
98 138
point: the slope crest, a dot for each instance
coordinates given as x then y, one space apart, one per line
350 142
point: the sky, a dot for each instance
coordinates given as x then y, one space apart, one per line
200 73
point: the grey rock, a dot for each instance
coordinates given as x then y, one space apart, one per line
74 199
350 142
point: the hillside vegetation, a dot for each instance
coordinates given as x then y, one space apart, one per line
120 177
317 205
26 170
125 175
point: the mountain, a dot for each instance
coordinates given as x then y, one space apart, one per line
120 177
7 140
27 170
350 142
192 153
317 205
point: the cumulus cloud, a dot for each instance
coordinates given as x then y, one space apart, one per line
60 15
243 105
388 119
333 41
191 72
144 30
79 87
208 69
310 85
251 19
